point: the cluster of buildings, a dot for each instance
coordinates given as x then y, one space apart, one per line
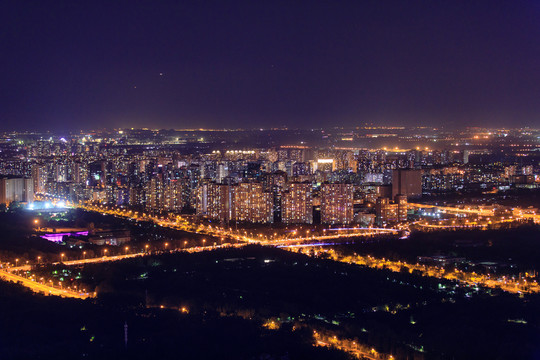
279 184
252 202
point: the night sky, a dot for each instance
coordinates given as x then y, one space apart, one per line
227 64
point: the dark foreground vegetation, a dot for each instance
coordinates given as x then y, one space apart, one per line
519 247
40 327
397 313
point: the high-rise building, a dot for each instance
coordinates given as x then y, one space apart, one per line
297 204
325 165
39 178
16 189
337 203
173 195
300 169
252 203
155 198
222 172
275 183
136 196
407 182
527 170
382 211
387 212
401 202
466 154
510 171
215 201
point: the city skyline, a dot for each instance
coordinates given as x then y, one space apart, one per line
277 180
346 234
245 64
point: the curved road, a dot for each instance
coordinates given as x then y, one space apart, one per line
41 288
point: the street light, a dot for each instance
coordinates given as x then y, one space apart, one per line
62 257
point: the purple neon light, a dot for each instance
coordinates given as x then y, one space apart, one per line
57 237
363 228
312 244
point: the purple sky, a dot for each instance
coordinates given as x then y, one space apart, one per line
181 64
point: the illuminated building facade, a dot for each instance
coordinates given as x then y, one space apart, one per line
39 178
252 203
215 201
297 204
387 212
337 203
16 189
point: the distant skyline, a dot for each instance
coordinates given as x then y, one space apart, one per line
230 64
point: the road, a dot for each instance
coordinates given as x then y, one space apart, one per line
217 231
517 213
126 256
8 273
42 288
526 284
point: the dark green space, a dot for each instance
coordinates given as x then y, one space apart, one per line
393 312
519 246
39 327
